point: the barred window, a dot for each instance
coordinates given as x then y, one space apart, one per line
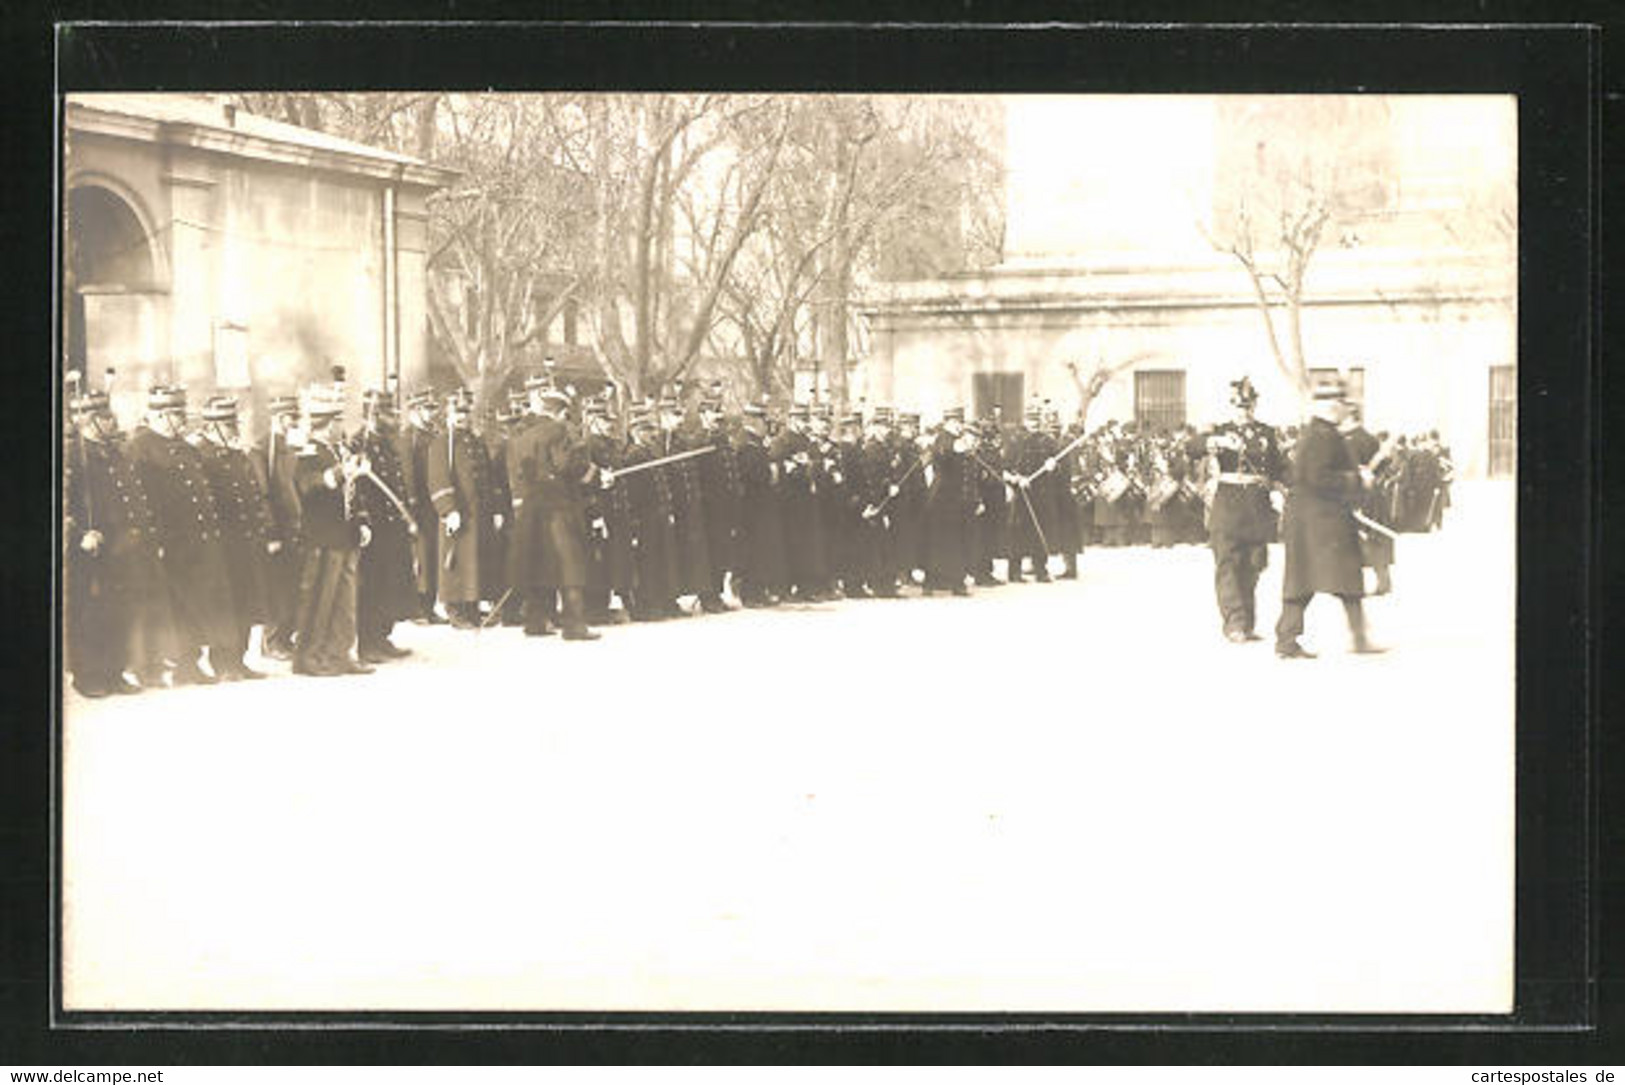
1159 399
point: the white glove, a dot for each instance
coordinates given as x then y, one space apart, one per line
980 509
606 478
454 520
962 444
600 528
1277 501
92 542
869 512
1049 464
366 534
497 521
835 478
1024 482
273 546
893 489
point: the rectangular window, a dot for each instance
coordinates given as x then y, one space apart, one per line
1001 390
1159 399
1503 421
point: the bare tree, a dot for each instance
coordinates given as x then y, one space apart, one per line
1289 170
1101 373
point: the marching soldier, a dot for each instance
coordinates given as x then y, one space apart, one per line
325 475
420 435
762 569
462 487
1241 520
246 531
116 616
274 460
386 583
1318 528
189 539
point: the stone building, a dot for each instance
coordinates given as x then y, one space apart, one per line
211 246
1412 289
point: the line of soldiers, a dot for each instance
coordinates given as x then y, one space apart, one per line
563 516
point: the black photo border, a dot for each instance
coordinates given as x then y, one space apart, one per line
1554 67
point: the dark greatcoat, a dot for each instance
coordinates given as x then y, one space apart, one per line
806 543
609 549
414 445
763 565
188 531
655 574
1322 540
462 480
907 509
245 528
116 612
273 461
546 468
1375 549
688 512
950 500
386 583
720 490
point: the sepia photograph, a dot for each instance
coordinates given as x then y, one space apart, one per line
805 553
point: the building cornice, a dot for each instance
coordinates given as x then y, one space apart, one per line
88 119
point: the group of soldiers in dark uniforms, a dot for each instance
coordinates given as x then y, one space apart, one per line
178 542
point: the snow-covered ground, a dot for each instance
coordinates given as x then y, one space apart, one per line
1064 797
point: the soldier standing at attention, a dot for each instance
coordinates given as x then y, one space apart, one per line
326 475
461 487
547 466
720 495
114 585
245 531
274 462
421 434
194 561
1241 522
950 499
1318 527
386 586
761 572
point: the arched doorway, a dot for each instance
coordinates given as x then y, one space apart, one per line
108 251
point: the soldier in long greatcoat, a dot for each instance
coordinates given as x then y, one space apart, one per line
462 487
806 545
878 492
763 567
1318 528
720 491
949 504
547 467
386 583
608 514
246 530
907 509
654 564
421 433
189 540
273 460
116 608
687 502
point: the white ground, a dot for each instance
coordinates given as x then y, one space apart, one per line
1067 797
